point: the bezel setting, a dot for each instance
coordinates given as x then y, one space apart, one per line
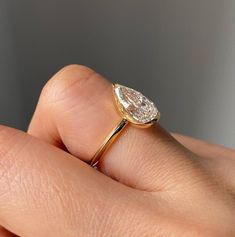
135 107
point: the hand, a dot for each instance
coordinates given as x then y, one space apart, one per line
149 184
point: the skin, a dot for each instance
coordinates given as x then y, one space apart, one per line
149 183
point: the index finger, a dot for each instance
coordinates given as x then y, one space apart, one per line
44 191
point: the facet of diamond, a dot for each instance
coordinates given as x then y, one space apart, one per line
135 105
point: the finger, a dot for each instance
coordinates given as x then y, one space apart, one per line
76 109
205 149
6 233
218 159
46 192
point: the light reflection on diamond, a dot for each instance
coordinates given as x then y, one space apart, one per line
136 104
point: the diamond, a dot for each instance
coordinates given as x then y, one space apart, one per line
135 106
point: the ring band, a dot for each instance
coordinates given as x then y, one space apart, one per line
108 141
134 108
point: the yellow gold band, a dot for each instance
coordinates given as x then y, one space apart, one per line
108 141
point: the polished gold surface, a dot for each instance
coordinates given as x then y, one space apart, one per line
108 141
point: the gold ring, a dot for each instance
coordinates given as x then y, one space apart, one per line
134 108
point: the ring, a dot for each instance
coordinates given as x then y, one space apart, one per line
134 108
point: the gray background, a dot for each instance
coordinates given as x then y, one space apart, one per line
180 53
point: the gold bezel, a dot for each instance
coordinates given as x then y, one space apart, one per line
126 116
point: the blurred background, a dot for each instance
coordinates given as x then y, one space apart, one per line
179 53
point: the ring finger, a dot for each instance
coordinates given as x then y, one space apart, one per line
76 111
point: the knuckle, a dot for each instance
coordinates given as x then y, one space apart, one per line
63 82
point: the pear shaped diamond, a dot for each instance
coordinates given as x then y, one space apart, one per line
135 106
